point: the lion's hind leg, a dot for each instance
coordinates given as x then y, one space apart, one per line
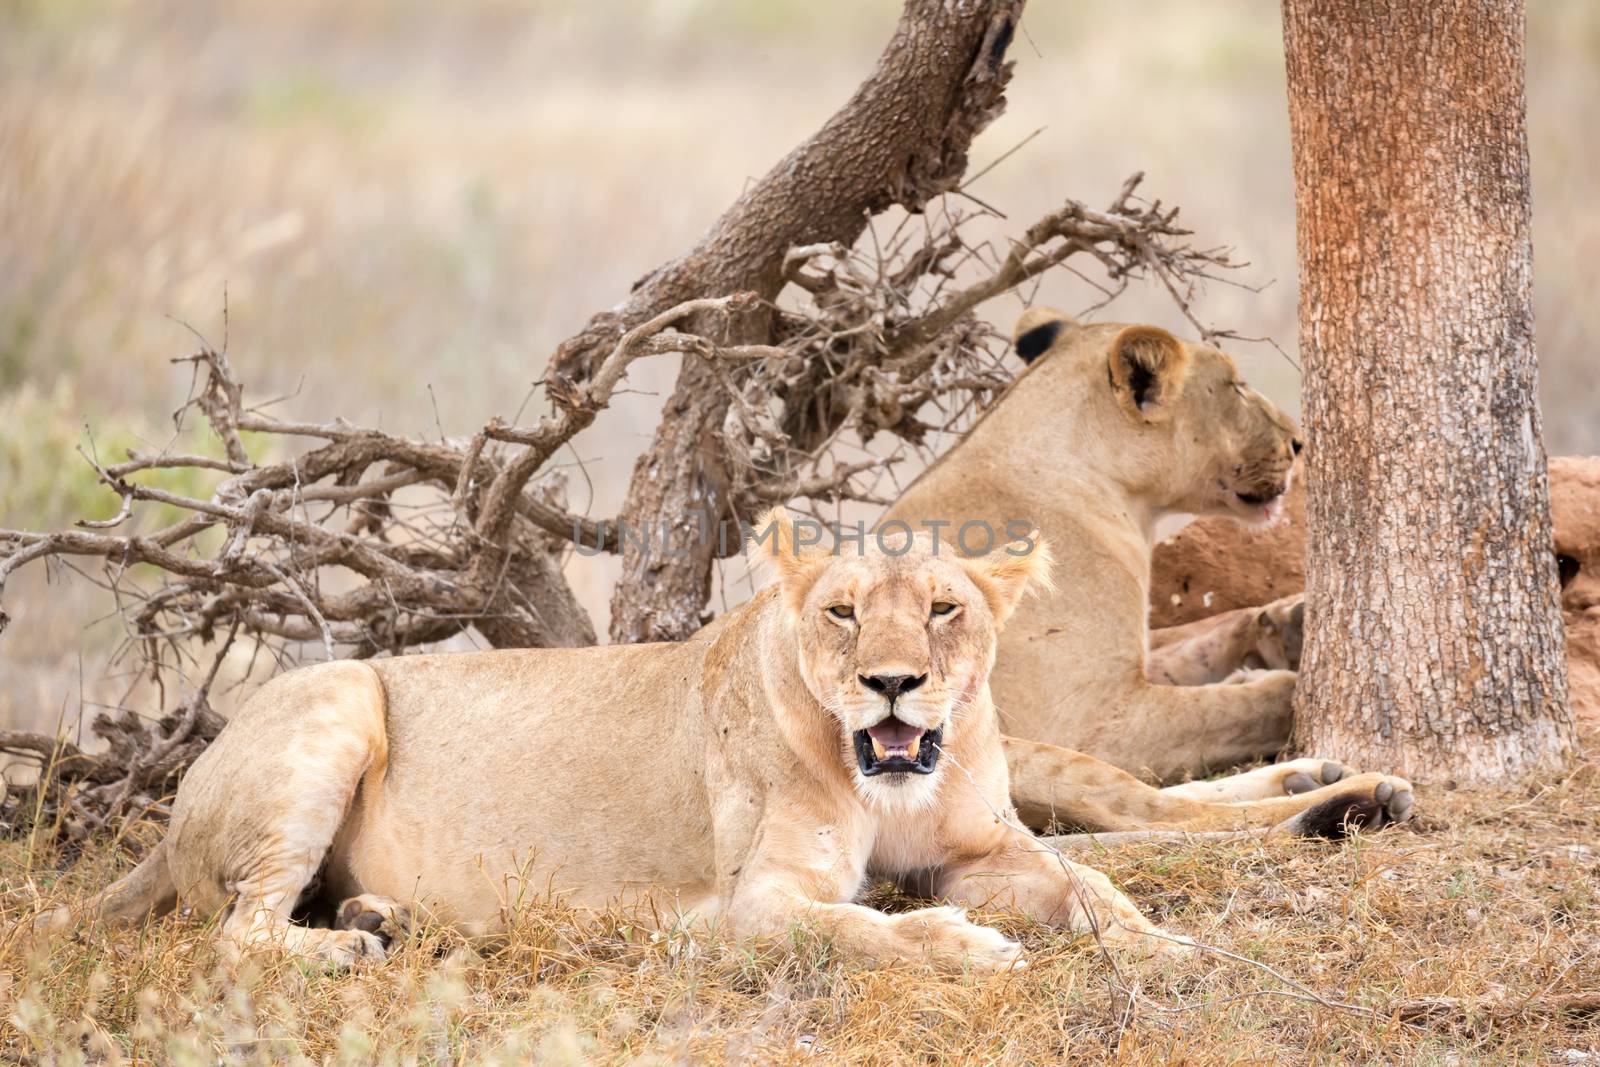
255 824
260 917
1368 801
1371 802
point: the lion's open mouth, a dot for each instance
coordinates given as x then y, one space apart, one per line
895 747
1262 505
1261 499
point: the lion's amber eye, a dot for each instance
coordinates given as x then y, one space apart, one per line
842 611
943 607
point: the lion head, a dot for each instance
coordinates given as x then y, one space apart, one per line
895 636
1188 429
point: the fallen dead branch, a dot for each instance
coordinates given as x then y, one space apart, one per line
368 543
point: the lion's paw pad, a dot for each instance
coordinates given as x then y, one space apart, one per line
1370 802
379 917
1314 774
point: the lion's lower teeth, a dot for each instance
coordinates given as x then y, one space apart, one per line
911 749
878 749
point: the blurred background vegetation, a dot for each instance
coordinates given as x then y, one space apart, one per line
409 203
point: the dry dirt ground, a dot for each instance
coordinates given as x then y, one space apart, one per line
1469 936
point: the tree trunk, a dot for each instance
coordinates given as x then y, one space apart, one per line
1434 644
902 138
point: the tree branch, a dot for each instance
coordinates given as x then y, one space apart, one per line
902 138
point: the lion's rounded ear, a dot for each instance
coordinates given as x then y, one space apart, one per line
791 549
1038 329
1007 574
1148 368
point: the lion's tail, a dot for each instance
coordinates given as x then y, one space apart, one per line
145 892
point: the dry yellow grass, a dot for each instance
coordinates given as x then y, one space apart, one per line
1490 901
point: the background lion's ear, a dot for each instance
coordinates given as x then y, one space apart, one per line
1148 369
1006 575
790 549
1037 331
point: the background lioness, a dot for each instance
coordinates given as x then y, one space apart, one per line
839 726
1109 429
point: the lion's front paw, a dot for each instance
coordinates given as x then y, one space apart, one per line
1366 801
943 937
383 918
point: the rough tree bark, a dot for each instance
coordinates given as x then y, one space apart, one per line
1434 644
902 138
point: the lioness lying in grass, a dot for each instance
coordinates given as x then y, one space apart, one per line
838 728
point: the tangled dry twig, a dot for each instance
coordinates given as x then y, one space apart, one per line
884 338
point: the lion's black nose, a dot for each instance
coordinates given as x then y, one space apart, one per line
1297 445
892 685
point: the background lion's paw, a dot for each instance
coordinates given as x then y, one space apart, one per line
1366 802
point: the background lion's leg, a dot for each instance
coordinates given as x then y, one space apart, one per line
1095 843
1212 649
1056 785
1276 780
1193 731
